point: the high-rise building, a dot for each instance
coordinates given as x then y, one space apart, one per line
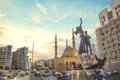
5 57
108 34
20 58
51 64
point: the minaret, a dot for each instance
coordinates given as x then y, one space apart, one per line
66 43
73 40
73 43
56 46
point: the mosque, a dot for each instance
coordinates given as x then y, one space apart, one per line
69 55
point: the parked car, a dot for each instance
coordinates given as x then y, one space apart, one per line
11 76
31 76
22 73
58 75
3 77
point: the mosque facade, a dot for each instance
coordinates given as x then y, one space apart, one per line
69 55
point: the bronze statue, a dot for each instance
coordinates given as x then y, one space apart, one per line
84 46
99 64
85 42
79 28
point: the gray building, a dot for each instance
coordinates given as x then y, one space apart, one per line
5 57
20 58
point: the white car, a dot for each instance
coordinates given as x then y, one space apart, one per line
3 77
58 74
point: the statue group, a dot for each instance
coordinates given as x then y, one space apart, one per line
85 42
87 58
85 48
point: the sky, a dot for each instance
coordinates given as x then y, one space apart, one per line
23 22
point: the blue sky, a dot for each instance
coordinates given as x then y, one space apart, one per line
24 21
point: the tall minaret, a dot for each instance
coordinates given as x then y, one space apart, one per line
73 40
56 46
66 43
73 43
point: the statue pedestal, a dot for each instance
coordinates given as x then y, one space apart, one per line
91 74
86 60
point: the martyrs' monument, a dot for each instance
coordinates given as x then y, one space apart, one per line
86 55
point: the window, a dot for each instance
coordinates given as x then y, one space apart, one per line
118 6
102 34
66 65
115 8
110 15
118 45
104 18
117 14
102 23
103 44
104 48
113 46
118 38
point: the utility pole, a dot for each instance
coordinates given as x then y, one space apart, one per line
32 54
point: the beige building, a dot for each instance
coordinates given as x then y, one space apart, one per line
108 34
69 55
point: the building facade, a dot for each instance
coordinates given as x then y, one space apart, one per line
69 55
51 64
40 63
108 34
44 64
20 58
5 57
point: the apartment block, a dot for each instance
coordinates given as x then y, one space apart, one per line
108 34
5 57
20 58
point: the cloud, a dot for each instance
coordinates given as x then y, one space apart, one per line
19 37
62 17
2 44
2 15
36 18
91 31
41 7
37 55
3 28
1 32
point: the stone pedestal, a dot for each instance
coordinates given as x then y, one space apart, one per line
86 60
90 74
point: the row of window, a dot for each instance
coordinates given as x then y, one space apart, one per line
117 7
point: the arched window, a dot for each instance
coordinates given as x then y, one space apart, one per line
70 65
61 66
66 65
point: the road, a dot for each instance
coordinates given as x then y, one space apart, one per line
20 78
27 78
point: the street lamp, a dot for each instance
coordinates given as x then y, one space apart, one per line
32 53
